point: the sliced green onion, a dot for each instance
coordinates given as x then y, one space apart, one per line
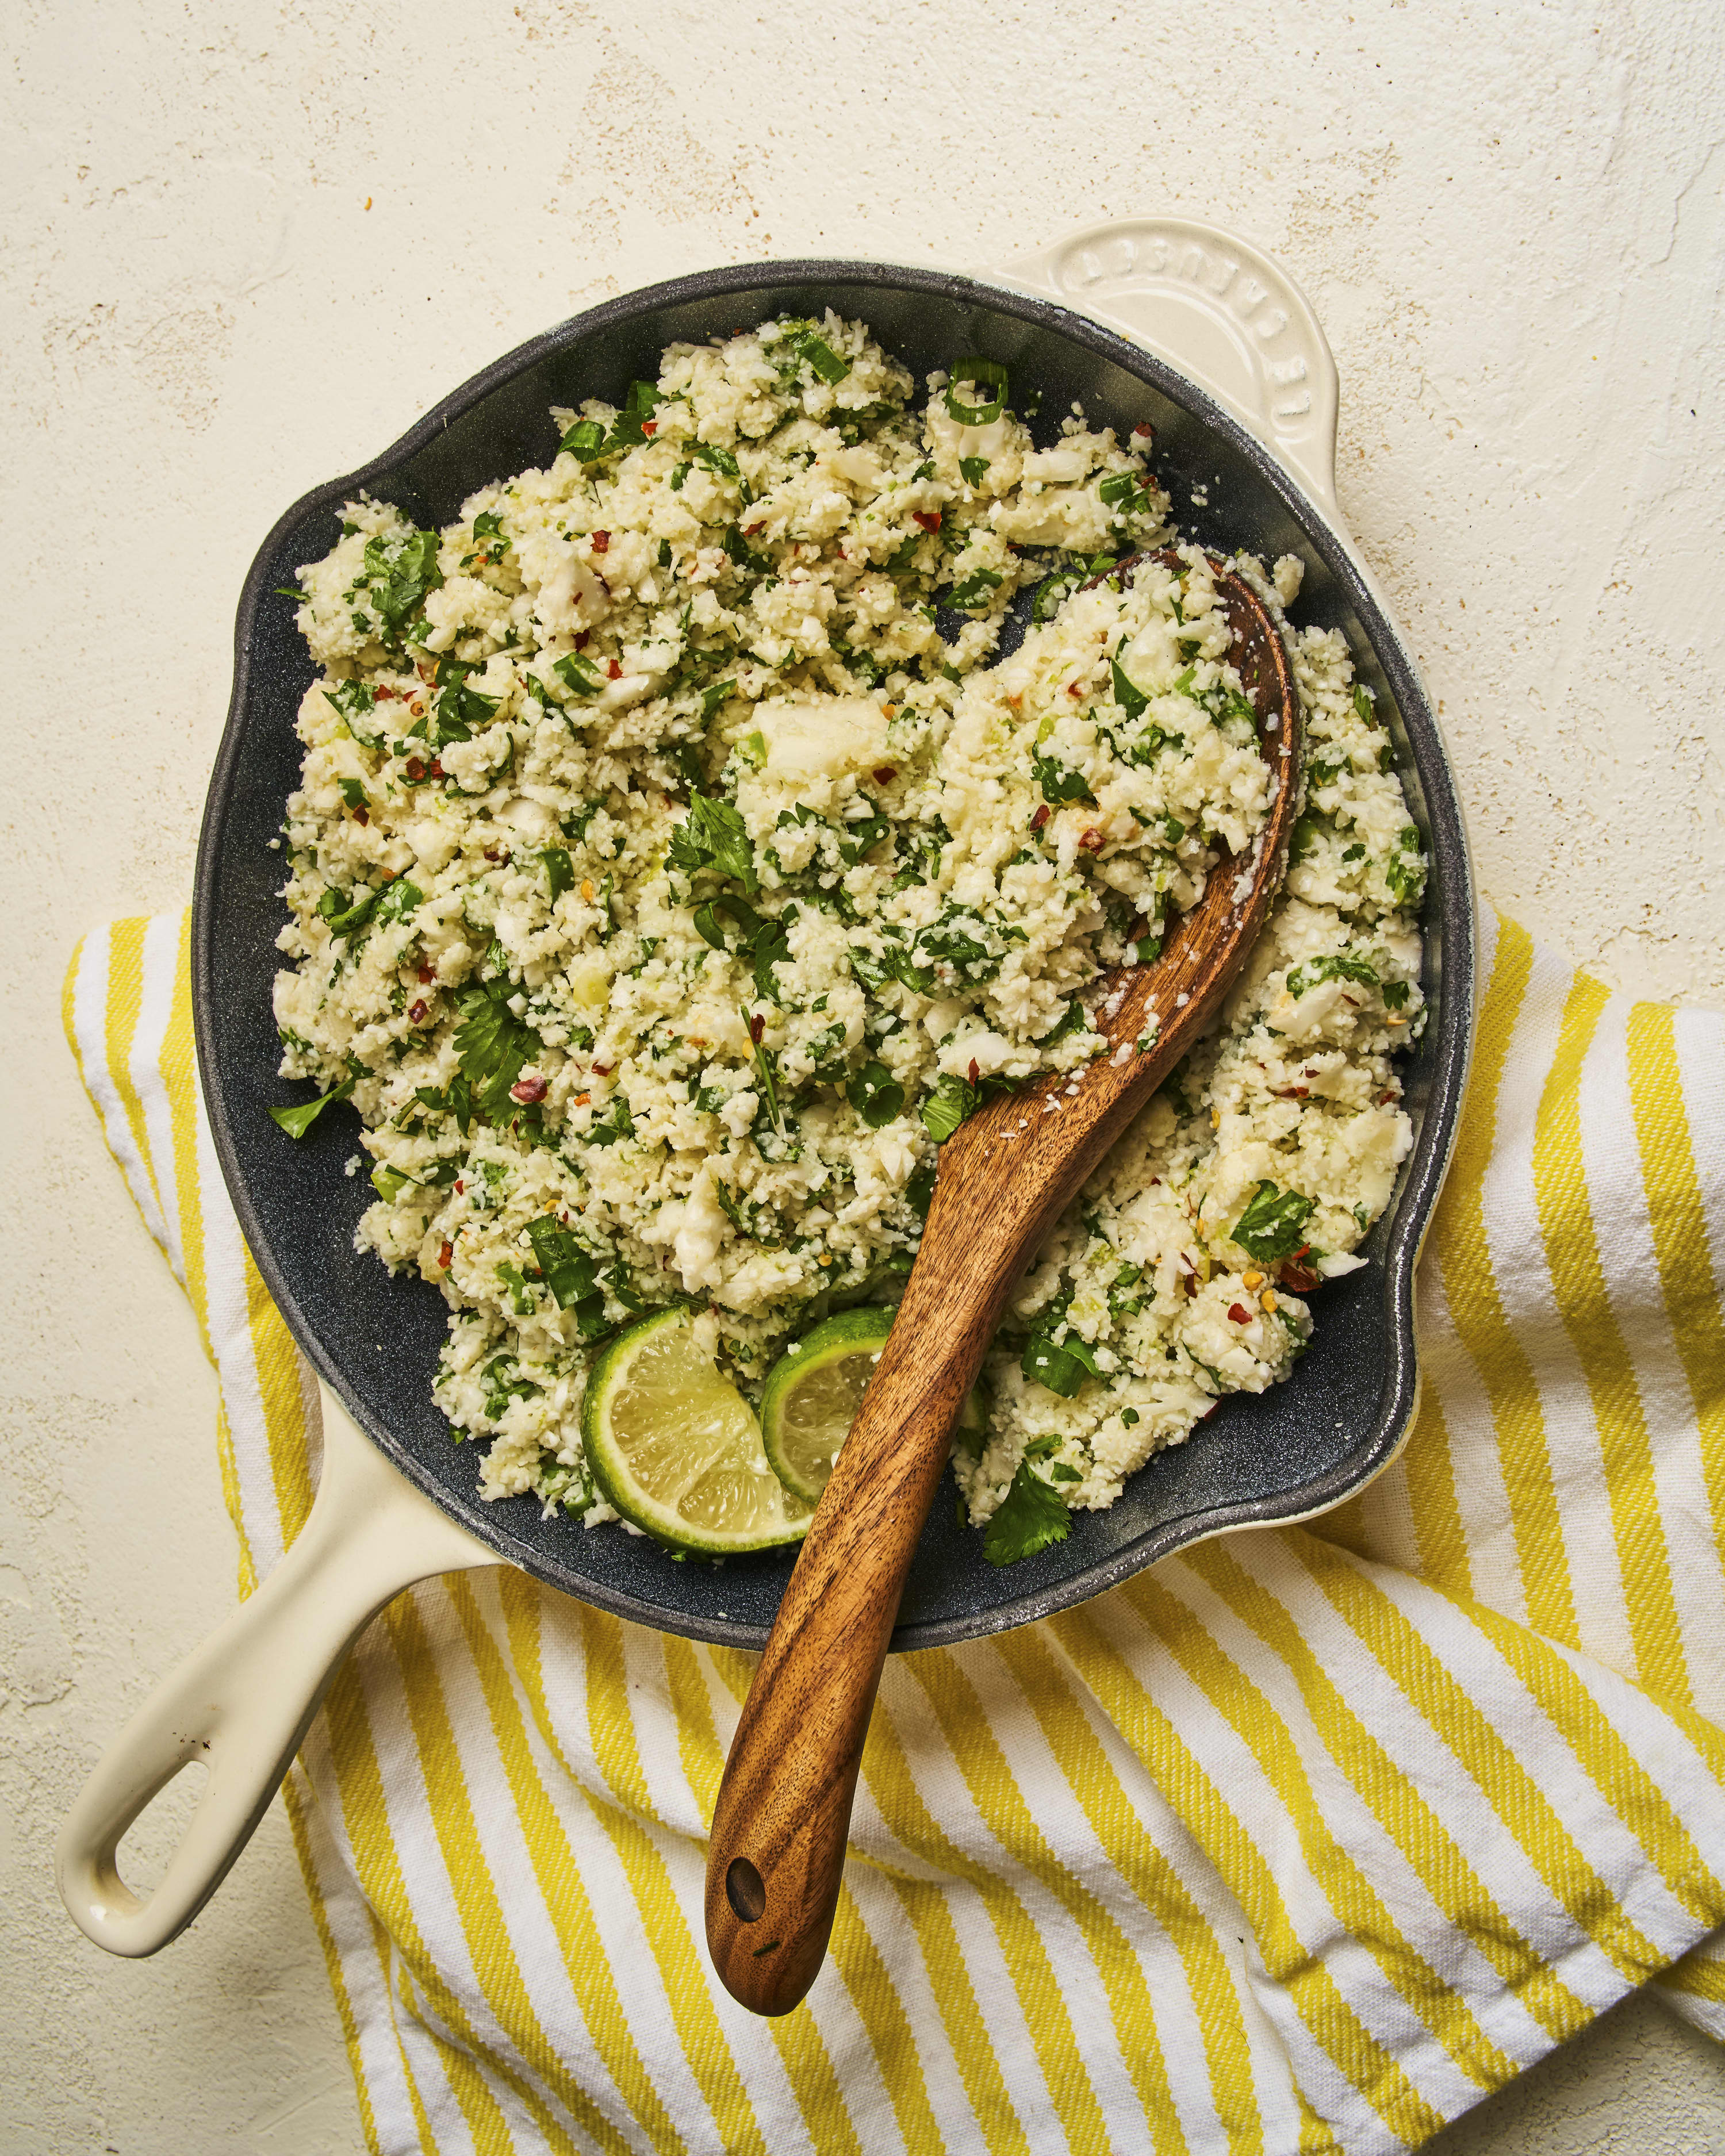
982 374
823 360
576 671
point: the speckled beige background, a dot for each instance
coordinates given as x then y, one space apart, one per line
1511 220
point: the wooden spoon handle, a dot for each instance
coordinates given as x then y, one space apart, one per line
777 1854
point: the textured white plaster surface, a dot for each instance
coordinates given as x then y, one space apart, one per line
1510 221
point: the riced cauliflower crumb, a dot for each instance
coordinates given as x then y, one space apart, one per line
675 863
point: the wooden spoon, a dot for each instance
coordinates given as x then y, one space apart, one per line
776 1855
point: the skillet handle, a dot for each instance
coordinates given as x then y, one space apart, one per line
1223 312
242 1701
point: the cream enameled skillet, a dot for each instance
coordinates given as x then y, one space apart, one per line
1155 319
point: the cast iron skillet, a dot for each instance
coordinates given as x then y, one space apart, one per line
1303 1446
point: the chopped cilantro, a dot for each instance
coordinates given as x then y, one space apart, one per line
297 1120
493 1044
875 1094
1273 1225
713 837
1032 1516
1337 966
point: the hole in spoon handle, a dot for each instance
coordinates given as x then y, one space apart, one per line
746 1891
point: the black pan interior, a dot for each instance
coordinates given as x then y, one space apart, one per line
1305 1444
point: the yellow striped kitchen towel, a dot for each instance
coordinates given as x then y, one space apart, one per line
1303 1840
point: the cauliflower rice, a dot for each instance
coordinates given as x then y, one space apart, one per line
665 884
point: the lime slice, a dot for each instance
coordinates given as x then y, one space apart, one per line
813 1391
676 1448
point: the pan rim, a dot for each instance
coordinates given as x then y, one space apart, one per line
1434 1145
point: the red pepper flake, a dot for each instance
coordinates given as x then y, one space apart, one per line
1040 817
1075 688
580 639
613 670
1091 840
885 774
384 694
361 815
416 769
1145 429
460 1187
427 973
649 426
601 542
417 1014
1300 1279
446 1255
437 767
602 1070
974 1074
492 854
758 1026
527 1091
1239 1314
929 519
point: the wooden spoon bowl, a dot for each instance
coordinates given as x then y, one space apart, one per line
776 1858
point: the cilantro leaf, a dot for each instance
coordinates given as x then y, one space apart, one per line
948 1106
715 458
772 947
1057 782
494 1046
357 702
570 1271
297 1120
713 837
1337 966
1273 1225
399 899
1131 698
400 570
875 1094
861 838
1032 1516
971 470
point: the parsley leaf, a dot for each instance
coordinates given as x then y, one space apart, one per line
1034 1517
971 470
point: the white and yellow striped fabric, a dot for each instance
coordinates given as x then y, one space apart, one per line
1303 1840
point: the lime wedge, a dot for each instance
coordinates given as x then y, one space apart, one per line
676 1448
813 1391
